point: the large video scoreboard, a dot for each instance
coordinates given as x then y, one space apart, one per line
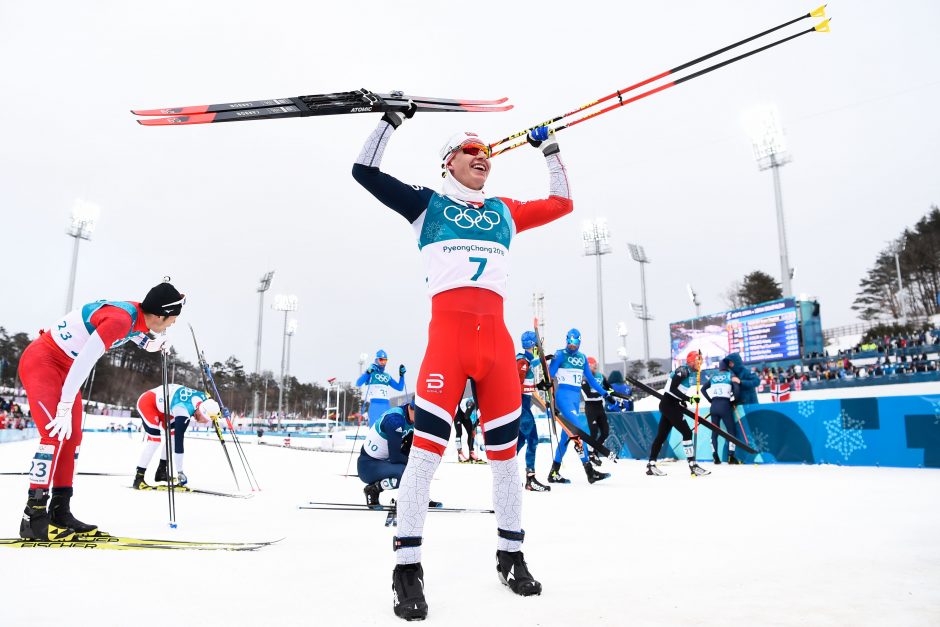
765 332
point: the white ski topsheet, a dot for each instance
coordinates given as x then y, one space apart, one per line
748 545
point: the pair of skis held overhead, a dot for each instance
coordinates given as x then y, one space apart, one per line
365 101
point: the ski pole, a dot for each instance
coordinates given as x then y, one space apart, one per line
819 12
215 423
207 373
698 389
741 423
362 410
168 444
252 481
822 27
228 458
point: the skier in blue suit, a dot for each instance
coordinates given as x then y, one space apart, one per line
528 434
720 389
378 385
569 369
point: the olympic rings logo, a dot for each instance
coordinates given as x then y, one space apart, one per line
471 217
576 361
382 378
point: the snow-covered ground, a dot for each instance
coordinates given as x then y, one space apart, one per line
748 545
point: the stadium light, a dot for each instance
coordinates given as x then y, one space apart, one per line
596 239
285 303
362 361
84 216
264 286
770 151
538 310
622 351
289 331
694 298
639 256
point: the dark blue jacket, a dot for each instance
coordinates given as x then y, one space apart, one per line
749 380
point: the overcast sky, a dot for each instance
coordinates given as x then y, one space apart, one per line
216 206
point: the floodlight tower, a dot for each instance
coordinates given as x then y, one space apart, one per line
641 311
694 298
263 287
770 151
596 240
84 216
622 351
289 331
285 303
538 310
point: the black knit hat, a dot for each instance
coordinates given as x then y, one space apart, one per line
163 300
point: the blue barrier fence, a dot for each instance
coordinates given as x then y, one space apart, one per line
15 435
902 431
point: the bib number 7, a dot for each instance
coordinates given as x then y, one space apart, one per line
481 263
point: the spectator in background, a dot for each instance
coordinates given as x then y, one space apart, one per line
749 380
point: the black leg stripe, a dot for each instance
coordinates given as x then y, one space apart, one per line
511 535
427 422
502 435
407 541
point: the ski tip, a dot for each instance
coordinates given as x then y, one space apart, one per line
171 111
177 120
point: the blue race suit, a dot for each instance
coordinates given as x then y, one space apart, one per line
528 434
570 370
378 385
719 390
381 456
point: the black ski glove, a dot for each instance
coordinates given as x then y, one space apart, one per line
395 118
406 443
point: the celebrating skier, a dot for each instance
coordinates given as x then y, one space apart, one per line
377 384
679 390
464 238
527 362
569 369
185 404
53 368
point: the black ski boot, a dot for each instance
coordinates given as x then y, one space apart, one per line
139 483
514 573
653 471
733 460
717 459
532 484
554 476
408 592
60 515
594 459
161 475
698 471
372 492
35 522
435 504
593 475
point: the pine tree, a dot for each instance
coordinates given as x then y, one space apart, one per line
758 287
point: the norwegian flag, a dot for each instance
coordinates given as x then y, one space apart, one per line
779 392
